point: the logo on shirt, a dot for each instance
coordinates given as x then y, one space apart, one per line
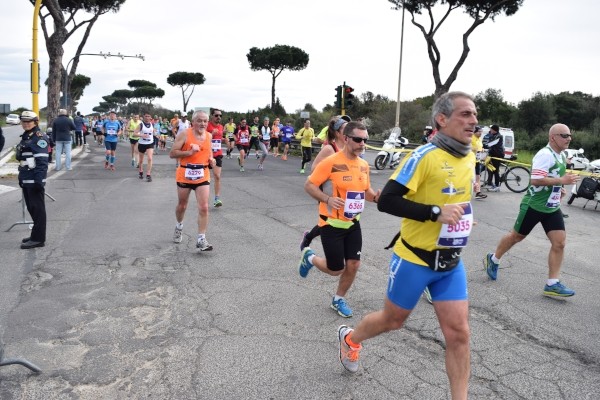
347 178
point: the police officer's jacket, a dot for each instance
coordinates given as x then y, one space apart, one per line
33 145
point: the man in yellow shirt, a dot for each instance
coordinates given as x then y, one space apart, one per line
306 135
477 148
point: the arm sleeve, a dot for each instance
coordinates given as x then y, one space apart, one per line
392 201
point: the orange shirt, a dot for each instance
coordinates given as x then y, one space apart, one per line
194 169
344 178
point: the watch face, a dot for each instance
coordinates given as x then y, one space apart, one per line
436 210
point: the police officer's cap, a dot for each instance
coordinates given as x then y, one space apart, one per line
28 116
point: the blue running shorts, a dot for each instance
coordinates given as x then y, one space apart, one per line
407 281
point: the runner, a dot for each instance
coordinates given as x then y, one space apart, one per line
133 123
333 143
264 134
193 150
164 134
144 132
287 133
230 129
306 135
111 129
254 140
216 130
242 142
275 133
98 133
346 177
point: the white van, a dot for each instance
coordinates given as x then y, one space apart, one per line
508 137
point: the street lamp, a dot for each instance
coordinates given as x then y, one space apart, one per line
400 70
101 54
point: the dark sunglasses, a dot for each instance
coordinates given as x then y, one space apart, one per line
357 139
565 135
218 115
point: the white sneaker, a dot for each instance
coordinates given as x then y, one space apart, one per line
203 245
177 236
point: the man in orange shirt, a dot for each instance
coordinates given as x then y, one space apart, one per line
193 150
339 213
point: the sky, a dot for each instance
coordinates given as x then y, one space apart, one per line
548 46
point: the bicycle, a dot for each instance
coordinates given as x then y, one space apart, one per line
515 177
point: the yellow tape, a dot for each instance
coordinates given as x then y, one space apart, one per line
571 171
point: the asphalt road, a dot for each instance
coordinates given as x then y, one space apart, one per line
112 309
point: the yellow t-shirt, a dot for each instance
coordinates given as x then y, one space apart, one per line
433 177
305 136
349 180
132 125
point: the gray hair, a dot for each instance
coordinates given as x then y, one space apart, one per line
445 105
198 112
62 111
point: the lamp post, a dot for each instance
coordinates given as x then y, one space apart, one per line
400 70
101 54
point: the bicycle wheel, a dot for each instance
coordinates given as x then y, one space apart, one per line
517 179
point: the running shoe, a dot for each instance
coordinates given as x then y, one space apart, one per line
257 156
260 167
178 235
305 265
341 307
427 295
493 188
218 203
242 169
304 243
480 196
203 245
141 175
349 356
558 290
148 178
490 267
302 170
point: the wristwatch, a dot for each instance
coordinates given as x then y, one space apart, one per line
435 213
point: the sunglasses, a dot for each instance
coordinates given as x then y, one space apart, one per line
565 135
218 115
357 139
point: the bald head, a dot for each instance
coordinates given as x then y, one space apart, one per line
557 129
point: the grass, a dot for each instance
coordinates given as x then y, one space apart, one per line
525 156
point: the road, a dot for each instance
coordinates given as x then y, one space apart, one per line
112 309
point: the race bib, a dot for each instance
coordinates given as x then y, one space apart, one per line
216 145
457 235
554 198
244 140
111 132
354 204
192 173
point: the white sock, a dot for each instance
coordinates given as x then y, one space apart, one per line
201 236
551 282
336 297
179 225
310 258
494 259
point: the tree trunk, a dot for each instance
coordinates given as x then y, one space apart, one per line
54 46
273 92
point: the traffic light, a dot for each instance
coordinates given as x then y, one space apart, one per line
338 97
348 96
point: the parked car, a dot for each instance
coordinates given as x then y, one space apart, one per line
13 119
575 159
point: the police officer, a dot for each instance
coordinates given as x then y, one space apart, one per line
32 154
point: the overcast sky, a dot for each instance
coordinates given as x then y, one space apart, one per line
548 46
